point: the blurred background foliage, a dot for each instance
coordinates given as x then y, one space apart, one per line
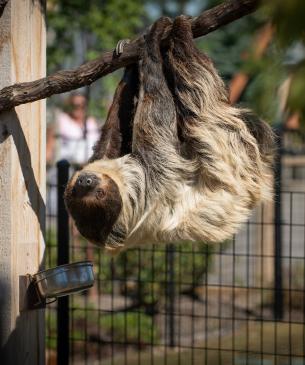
80 30
288 19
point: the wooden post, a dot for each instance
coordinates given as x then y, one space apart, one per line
22 182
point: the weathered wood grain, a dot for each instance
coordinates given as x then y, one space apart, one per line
22 183
89 72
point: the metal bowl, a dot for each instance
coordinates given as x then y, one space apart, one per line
65 279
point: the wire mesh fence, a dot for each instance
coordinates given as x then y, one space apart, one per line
237 302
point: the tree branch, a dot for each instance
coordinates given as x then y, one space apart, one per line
89 72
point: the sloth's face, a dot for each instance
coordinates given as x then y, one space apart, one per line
94 203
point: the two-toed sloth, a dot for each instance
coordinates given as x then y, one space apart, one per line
193 167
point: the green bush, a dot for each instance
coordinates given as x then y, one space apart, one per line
130 327
144 274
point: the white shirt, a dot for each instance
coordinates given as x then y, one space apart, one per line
72 145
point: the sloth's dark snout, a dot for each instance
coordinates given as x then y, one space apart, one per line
85 183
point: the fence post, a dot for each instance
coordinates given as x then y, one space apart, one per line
62 258
278 275
170 259
22 183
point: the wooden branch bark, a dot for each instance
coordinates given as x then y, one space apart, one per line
89 72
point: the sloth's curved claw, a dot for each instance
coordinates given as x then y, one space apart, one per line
120 46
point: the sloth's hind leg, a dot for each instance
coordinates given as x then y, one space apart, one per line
116 134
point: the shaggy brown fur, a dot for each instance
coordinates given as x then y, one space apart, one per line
197 165
116 134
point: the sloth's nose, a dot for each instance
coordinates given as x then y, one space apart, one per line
85 183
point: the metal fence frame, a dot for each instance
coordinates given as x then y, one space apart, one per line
65 344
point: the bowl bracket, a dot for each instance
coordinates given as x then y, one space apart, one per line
29 296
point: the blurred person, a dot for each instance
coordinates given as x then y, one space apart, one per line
72 135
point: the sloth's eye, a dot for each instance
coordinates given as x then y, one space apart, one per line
100 193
